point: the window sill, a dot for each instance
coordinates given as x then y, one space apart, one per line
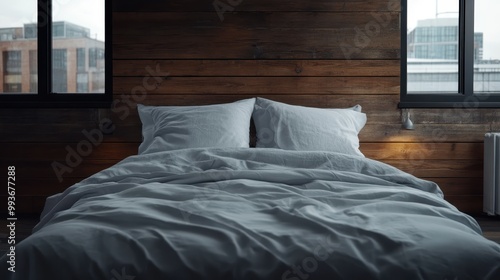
443 105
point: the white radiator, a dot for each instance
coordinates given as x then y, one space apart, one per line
491 200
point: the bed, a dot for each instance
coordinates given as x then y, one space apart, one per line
291 208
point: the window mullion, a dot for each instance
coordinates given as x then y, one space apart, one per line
468 47
44 47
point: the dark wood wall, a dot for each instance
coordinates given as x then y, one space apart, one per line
324 53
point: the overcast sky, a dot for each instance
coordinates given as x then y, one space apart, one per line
486 14
87 13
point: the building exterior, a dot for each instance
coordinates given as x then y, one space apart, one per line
432 59
437 38
77 60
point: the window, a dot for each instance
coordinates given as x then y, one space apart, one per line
82 82
59 70
450 54
80 60
60 63
33 71
58 29
12 71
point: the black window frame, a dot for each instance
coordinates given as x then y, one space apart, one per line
465 98
45 97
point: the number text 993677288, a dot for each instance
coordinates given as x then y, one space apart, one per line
11 218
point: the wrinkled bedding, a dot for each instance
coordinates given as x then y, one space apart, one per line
253 214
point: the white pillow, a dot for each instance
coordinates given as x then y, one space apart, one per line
166 128
290 127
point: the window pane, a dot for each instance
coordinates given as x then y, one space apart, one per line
60 70
486 47
78 47
17 43
432 46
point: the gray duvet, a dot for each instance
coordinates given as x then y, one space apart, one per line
253 214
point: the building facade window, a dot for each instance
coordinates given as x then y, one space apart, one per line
96 57
12 62
33 71
49 65
80 60
12 71
59 70
82 80
92 57
449 57
58 29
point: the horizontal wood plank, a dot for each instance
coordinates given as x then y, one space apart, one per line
425 151
472 205
21 116
440 168
249 50
253 49
433 133
45 168
43 186
257 68
77 133
258 5
459 186
256 86
369 23
60 151
25 205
